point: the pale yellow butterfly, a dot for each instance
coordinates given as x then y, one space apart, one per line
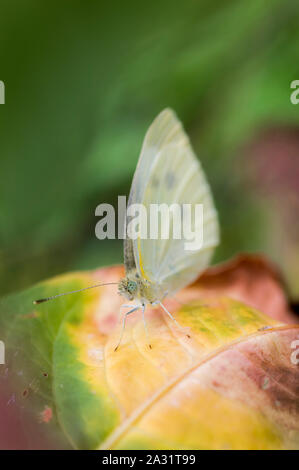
167 172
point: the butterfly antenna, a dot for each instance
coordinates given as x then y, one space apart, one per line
52 297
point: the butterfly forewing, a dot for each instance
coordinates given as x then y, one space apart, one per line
169 173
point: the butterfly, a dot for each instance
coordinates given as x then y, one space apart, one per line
167 172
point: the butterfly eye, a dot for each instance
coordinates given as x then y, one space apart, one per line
132 286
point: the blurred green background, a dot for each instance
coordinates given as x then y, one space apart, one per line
83 82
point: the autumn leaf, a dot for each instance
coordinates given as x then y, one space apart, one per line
228 379
251 279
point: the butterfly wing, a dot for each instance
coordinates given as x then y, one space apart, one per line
164 130
168 172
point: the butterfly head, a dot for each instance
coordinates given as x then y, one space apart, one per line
128 288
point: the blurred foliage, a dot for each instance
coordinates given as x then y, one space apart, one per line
83 82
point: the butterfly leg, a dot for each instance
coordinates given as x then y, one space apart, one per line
145 325
124 306
124 323
169 314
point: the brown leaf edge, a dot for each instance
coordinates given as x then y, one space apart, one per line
252 279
